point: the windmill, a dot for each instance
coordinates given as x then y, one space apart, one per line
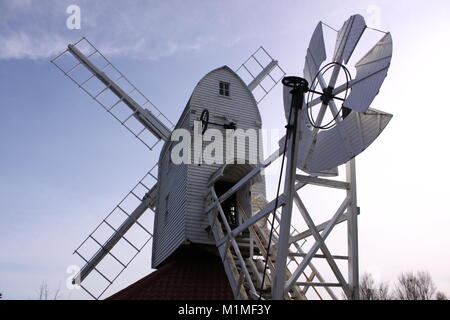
85 65
223 208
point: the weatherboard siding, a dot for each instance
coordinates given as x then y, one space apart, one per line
188 184
169 233
241 108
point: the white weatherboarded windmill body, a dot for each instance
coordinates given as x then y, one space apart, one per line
182 219
222 207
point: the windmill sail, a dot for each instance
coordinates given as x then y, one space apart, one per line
348 37
371 71
114 229
94 74
261 73
359 128
315 55
323 150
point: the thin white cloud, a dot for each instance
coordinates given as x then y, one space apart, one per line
21 44
139 29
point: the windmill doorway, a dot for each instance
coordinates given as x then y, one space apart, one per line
229 206
238 207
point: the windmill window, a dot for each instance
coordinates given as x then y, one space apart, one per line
224 89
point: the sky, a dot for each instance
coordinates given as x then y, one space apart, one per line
64 163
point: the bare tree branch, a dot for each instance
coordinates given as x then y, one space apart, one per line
57 293
368 290
44 292
417 286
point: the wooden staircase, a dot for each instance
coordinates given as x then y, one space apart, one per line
244 256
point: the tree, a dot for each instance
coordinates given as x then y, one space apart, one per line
368 290
383 292
44 292
415 286
441 296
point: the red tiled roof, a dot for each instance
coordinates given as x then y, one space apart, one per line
192 274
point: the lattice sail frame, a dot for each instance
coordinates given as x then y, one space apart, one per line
261 72
138 203
85 65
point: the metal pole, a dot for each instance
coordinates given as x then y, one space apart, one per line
352 232
300 86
